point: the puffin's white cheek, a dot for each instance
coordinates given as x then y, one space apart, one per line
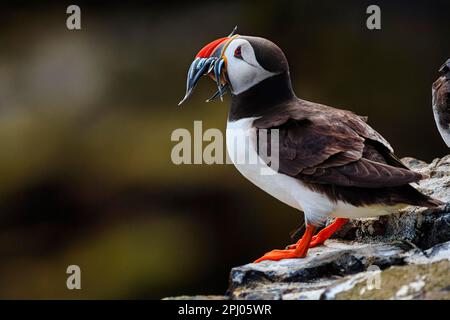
248 78
242 76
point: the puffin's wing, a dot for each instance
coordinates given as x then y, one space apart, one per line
338 149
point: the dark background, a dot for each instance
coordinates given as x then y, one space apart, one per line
86 118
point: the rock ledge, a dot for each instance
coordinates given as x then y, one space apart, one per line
402 256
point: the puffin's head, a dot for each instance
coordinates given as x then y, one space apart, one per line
236 63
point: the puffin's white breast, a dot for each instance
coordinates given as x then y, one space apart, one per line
317 207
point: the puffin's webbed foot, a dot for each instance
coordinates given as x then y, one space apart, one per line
277 255
299 251
324 234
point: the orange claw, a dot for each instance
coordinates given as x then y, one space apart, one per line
300 251
327 232
324 234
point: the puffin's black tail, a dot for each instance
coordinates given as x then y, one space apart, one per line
412 196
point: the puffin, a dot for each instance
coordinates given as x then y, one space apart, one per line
330 162
441 102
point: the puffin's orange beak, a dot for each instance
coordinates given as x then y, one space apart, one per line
209 61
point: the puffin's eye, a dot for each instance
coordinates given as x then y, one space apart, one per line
238 53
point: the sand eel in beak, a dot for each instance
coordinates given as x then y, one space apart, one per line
331 162
210 61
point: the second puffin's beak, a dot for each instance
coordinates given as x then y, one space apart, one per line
209 61
445 67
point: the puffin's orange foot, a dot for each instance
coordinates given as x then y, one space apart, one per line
277 255
300 250
315 241
324 234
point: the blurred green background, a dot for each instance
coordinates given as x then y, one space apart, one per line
86 118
